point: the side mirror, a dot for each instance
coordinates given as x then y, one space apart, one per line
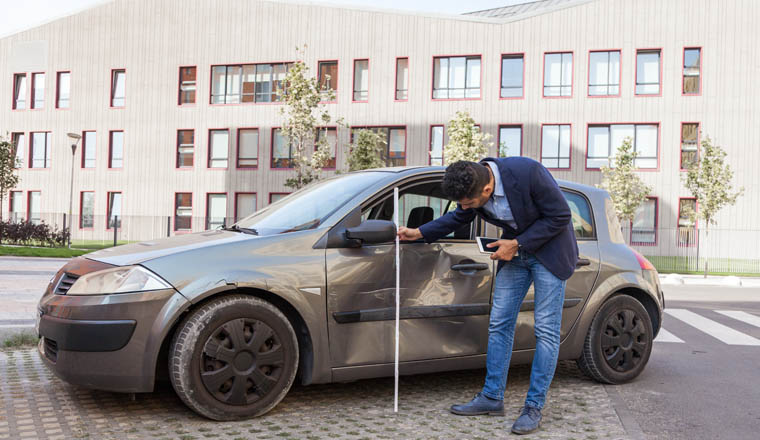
372 232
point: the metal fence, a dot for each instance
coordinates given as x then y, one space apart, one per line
731 251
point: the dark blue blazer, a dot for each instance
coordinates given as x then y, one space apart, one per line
544 226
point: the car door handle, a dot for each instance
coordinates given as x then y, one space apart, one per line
583 262
470 266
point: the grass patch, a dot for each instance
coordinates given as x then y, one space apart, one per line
27 251
96 244
21 340
688 266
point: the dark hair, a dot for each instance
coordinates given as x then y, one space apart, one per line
464 179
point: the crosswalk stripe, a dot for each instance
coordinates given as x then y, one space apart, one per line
741 316
666 336
712 328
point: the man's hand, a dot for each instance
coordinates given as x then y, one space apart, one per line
407 234
507 249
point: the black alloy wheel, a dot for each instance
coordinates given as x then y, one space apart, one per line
619 342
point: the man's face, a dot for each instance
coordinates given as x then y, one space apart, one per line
480 200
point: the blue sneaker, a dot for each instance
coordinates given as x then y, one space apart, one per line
480 405
529 420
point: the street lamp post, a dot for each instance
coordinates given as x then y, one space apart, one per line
75 140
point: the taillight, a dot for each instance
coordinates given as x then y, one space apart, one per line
643 262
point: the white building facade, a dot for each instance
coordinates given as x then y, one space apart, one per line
177 106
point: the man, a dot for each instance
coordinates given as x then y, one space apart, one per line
538 245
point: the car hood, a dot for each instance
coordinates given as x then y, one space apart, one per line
137 253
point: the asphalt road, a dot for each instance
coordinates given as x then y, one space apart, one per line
703 387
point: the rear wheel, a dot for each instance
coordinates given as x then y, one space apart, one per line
234 358
619 342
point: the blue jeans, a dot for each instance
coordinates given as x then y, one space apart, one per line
511 285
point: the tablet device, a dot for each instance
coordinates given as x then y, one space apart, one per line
483 241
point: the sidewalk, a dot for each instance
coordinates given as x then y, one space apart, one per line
711 280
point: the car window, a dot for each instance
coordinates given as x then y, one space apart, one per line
583 223
418 205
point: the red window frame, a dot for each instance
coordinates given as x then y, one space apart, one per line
656 225
430 144
179 87
395 80
353 80
176 205
501 73
498 137
15 91
258 149
30 146
14 140
32 83
29 203
58 89
81 209
636 72
10 201
207 217
388 144
275 194
620 74
208 152
680 145
683 67
695 227
108 208
113 87
331 165
84 150
177 153
572 75
271 152
110 150
480 82
610 124
319 78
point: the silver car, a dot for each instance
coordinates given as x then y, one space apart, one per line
304 290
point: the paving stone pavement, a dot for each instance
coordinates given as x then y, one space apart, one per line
36 404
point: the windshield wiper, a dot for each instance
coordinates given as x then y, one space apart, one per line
237 228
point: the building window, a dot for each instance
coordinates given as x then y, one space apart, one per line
116 149
510 140
114 210
604 141
555 146
63 90
395 143
248 148
689 144
19 143
247 83
604 73
187 83
282 151
692 71
644 225
558 74
86 209
436 145
512 76
216 210
402 79
33 207
40 157
361 80
332 141
245 205
185 148
89 147
183 211
16 206
648 72
687 224
218 148
38 90
456 77
19 91
276 197
327 72
118 85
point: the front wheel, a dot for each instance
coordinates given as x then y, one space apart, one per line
234 358
619 342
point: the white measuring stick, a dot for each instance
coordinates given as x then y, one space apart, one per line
398 302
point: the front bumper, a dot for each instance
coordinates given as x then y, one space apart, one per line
106 342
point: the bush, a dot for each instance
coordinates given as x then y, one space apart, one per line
30 234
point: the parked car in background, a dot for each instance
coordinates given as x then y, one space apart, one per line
304 290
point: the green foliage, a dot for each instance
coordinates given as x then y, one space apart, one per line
367 151
626 188
709 181
303 115
8 164
466 141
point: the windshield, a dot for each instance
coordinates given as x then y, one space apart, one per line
310 206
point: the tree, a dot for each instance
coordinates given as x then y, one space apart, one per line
626 188
8 164
303 115
709 181
366 151
466 141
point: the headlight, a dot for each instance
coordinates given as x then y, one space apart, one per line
117 280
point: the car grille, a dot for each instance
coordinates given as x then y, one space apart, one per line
65 283
51 349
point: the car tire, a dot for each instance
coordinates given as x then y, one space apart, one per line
619 342
234 358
